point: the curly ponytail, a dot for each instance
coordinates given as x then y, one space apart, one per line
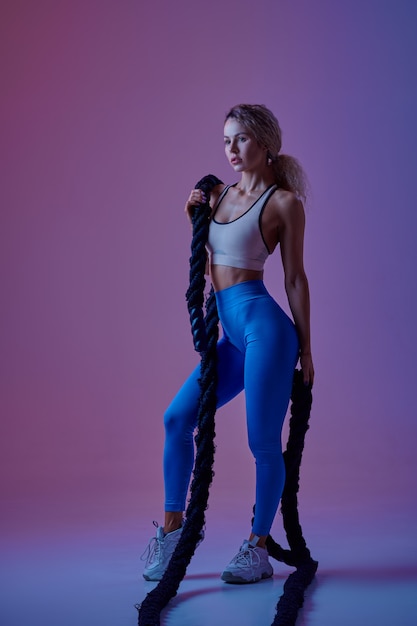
290 175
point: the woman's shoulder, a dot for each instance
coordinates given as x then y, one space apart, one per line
285 200
216 193
287 207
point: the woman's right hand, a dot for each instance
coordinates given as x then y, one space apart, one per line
197 196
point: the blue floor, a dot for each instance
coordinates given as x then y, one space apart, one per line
90 575
365 577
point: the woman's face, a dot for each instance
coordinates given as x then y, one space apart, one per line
242 150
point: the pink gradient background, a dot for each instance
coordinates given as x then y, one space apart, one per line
110 112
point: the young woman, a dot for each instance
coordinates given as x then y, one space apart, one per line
261 345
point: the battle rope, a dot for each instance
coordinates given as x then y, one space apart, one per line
205 336
298 555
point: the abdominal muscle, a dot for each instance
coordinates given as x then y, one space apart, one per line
224 276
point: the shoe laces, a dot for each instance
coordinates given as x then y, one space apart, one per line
152 550
247 557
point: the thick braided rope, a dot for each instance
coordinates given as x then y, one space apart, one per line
298 555
195 291
205 336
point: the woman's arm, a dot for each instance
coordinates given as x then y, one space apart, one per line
292 224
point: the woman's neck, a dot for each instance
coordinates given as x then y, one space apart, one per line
255 181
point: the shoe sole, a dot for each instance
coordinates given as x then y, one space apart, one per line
150 579
237 580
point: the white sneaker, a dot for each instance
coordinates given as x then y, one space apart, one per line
248 566
158 553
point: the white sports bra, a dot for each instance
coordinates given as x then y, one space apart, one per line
240 243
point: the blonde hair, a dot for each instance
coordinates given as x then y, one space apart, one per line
264 126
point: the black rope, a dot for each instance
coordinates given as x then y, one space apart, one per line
205 335
195 292
298 555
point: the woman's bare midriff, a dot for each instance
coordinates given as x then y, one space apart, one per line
223 276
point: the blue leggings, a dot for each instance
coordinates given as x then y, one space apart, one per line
258 352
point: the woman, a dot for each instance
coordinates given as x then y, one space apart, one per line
261 345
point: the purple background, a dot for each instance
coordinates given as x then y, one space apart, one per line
110 112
